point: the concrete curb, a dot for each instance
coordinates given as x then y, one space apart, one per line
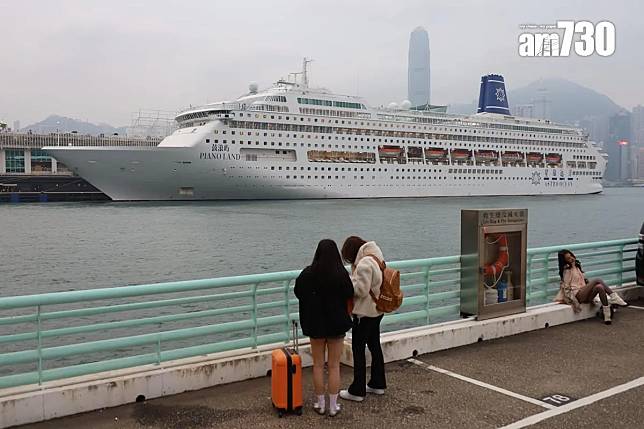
33 403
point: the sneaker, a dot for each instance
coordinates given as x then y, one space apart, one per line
344 394
318 409
607 314
333 412
375 391
615 299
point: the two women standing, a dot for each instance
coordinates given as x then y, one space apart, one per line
324 289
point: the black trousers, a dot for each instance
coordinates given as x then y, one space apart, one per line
366 332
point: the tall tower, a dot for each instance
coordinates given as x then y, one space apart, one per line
418 90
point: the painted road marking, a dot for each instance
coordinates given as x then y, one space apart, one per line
528 421
482 384
557 399
635 306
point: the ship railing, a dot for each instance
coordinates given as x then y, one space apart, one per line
58 335
214 106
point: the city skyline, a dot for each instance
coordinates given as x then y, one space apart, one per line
102 62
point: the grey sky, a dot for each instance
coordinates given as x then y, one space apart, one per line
101 61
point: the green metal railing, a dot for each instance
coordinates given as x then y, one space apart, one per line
54 336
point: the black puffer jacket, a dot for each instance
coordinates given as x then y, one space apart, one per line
323 303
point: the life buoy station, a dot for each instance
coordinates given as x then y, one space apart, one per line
493 262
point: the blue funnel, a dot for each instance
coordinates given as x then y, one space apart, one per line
492 97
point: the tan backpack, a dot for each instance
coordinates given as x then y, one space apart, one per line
391 296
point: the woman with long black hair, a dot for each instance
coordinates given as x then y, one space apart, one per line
576 289
323 289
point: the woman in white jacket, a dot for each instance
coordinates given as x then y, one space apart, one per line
366 276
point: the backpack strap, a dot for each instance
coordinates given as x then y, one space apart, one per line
382 266
380 263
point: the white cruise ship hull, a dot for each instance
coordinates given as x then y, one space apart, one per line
178 174
295 142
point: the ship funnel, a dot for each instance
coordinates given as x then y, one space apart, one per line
492 97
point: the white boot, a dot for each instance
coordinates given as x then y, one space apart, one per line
615 299
606 309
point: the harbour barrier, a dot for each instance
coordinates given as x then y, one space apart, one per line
105 347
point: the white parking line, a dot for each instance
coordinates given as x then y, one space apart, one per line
635 306
528 421
482 384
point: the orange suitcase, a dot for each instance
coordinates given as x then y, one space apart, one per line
286 379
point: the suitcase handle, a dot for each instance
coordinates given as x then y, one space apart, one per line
295 337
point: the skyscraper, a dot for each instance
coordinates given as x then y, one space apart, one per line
637 126
617 147
418 89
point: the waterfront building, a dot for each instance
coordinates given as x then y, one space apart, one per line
21 153
28 173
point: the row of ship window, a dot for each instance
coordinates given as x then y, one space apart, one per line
460 178
329 129
430 143
412 170
514 128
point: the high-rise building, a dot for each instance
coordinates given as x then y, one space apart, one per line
16 126
618 147
523 110
418 87
637 126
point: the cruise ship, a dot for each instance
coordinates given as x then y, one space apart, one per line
294 141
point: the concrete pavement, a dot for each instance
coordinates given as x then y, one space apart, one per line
568 361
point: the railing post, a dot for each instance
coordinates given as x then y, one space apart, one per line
620 275
427 281
38 331
158 347
254 314
528 280
287 309
547 271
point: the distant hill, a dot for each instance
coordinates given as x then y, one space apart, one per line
568 102
55 123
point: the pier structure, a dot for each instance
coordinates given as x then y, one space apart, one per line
64 353
27 173
21 153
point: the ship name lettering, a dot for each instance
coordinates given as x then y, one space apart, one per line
220 156
218 147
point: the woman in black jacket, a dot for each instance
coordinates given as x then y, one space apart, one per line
323 289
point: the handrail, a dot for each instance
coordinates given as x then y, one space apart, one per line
57 335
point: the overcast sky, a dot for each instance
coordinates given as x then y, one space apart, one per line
103 60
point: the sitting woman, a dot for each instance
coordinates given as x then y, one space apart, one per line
575 289
323 289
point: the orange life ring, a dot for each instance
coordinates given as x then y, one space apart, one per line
502 260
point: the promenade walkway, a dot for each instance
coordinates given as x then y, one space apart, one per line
493 384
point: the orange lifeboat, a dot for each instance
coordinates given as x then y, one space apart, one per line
495 269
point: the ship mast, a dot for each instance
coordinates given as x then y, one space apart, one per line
305 75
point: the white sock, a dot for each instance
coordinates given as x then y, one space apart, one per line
333 402
321 401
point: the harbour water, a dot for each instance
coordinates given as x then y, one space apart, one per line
71 246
